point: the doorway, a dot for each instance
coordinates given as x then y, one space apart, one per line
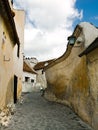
15 88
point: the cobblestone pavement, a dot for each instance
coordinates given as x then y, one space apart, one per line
36 113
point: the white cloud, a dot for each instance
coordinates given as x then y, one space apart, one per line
48 24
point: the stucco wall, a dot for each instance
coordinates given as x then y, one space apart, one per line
73 81
6 65
28 86
68 81
92 61
10 63
18 61
41 80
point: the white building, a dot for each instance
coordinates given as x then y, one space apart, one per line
29 78
41 78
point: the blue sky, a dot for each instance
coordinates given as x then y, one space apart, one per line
50 22
90 11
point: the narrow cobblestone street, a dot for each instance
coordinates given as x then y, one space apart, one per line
36 113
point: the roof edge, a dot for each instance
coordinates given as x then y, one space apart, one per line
90 48
8 11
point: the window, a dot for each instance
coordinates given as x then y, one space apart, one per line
3 37
42 72
18 49
32 80
27 79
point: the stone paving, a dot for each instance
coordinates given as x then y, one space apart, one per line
36 113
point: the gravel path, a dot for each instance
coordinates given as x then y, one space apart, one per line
36 113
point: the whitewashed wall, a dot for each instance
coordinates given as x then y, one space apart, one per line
41 80
28 86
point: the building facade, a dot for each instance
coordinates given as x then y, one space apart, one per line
29 78
11 49
41 82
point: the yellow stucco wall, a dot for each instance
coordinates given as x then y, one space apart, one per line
6 65
74 82
10 63
92 61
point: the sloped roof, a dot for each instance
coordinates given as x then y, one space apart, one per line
90 48
7 14
27 68
42 64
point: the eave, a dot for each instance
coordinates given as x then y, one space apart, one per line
90 48
27 68
6 13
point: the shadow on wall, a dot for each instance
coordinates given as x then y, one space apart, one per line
9 91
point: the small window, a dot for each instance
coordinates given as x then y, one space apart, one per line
42 71
27 79
32 80
18 49
3 37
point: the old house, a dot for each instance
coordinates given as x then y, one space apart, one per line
72 78
41 78
11 52
29 77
